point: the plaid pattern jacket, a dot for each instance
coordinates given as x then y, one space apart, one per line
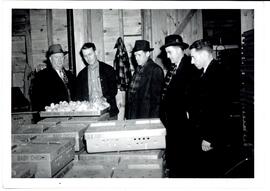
121 65
144 94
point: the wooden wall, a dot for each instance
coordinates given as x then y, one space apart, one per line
247 20
103 27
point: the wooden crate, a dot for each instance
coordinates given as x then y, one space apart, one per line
30 128
52 120
75 131
89 169
123 155
120 136
86 120
22 118
23 170
49 154
139 168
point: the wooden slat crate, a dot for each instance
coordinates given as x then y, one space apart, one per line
123 155
49 154
139 168
90 169
86 120
23 170
22 118
75 131
52 120
121 136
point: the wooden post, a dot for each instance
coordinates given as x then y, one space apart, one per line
80 35
147 25
71 44
97 32
49 26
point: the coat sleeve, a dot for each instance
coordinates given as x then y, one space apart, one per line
38 93
155 91
81 86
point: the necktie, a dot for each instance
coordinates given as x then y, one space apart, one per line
168 79
65 80
64 77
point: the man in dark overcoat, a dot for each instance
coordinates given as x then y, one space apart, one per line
210 109
96 80
144 93
181 137
52 84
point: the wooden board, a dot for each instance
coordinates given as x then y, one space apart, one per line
86 120
123 155
52 120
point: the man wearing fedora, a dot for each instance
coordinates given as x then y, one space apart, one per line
52 84
144 93
177 92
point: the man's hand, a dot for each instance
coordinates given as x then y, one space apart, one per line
206 146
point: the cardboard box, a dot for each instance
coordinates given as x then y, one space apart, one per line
49 154
122 136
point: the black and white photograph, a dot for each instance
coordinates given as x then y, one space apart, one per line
101 92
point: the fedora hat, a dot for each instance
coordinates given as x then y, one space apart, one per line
174 40
55 48
142 45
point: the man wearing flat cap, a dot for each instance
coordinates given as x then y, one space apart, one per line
144 93
176 95
52 84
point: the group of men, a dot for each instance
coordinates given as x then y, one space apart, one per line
190 100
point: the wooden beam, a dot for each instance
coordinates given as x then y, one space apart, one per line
71 44
147 25
121 24
186 20
97 32
49 26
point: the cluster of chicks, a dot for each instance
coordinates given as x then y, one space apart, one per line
78 106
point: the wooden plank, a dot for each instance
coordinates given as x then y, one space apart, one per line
59 24
132 22
159 30
194 29
111 33
147 24
38 25
49 18
97 32
80 35
185 21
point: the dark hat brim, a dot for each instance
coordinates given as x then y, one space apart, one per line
135 50
181 44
